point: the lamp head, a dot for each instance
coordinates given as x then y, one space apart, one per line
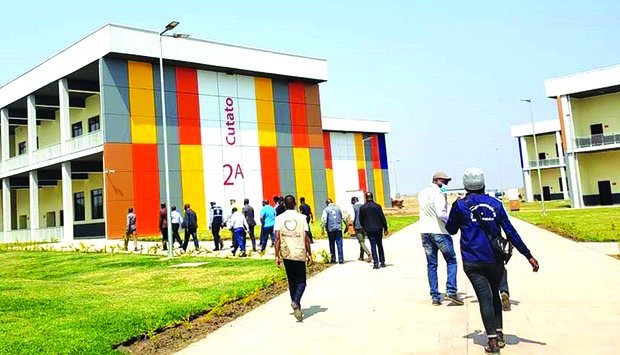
172 25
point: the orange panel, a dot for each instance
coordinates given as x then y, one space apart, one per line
269 171
187 106
328 150
361 174
315 137
299 122
562 129
146 188
312 94
119 187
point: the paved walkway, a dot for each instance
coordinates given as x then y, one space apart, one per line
572 306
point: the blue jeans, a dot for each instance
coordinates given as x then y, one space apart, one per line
503 284
240 238
266 232
443 242
335 240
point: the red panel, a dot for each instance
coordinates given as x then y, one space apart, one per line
269 172
328 150
376 160
299 120
119 194
361 174
146 188
188 109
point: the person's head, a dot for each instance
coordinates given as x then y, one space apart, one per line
302 200
246 202
369 196
232 201
212 204
441 179
174 208
276 199
130 210
473 180
265 202
163 205
289 202
354 200
329 201
234 209
186 206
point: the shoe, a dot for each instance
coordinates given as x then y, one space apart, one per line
493 347
216 249
455 299
382 264
243 255
375 266
297 312
360 258
500 340
369 259
135 249
436 303
341 262
505 301
165 249
254 250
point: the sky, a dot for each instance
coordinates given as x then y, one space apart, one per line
447 75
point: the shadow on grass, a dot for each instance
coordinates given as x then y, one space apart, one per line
480 338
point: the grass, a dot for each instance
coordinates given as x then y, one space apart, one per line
537 206
586 225
55 302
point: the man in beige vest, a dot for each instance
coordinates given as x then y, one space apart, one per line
293 249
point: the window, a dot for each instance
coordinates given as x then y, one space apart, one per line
542 156
93 124
76 129
21 148
78 206
96 203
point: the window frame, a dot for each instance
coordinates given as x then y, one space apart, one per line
76 198
96 195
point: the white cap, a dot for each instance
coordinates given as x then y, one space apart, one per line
473 179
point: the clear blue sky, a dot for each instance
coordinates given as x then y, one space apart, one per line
448 75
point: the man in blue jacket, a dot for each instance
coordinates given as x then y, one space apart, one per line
483 265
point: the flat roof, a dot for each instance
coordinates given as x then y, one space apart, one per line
137 42
355 125
597 81
540 127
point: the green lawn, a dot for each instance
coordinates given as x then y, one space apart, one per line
589 224
537 206
55 302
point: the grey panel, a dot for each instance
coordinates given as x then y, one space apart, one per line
117 129
319 201
174 166
317 158
370 182
114 72
386 188
282 113
284 136
115 100
171 105
319 181
280 91
287 171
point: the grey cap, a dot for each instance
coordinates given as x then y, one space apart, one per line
441 175
473 179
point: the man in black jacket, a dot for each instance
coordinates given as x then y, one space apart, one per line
374 223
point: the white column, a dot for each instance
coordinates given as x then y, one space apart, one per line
524 156
527 183
564 182
67 202
4 132
32 124
6 206
34 201
573 179
567 119
65 118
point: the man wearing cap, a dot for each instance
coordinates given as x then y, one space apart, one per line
435 237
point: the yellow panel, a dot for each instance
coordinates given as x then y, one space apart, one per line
303 174
264 112
378 179
331 191
359 151
192 182
141 103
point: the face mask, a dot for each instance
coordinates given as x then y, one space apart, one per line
444 189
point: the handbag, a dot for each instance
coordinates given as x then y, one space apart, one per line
502 247
351 230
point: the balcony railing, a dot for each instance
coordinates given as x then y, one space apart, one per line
53 234
597 140
15 162
544 162
84 142
46 153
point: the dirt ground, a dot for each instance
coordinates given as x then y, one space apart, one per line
172 339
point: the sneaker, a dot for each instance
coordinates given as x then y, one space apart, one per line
455 299
375 266
436 303
382 264
505 301
243 255
492 347
297 312
501 342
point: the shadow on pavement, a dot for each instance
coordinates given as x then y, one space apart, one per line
312 310
480 338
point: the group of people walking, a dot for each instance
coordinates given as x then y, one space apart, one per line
484 251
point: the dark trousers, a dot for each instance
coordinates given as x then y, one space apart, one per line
175 235
215 229
190 232
265 233
309 231
376 246
164 238
252 237
296 275
485 279
503 284
335 240
239 235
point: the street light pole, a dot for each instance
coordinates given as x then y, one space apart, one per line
393 163
169 27
499 170
542 196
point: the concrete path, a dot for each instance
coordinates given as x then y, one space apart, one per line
572 306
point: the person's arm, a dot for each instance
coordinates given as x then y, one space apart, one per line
307 243
311 215
516 240
383 221
362 216
441 207
324 218
454 219
276 245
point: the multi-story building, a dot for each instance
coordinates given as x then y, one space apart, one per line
589 110
82 135
549 160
